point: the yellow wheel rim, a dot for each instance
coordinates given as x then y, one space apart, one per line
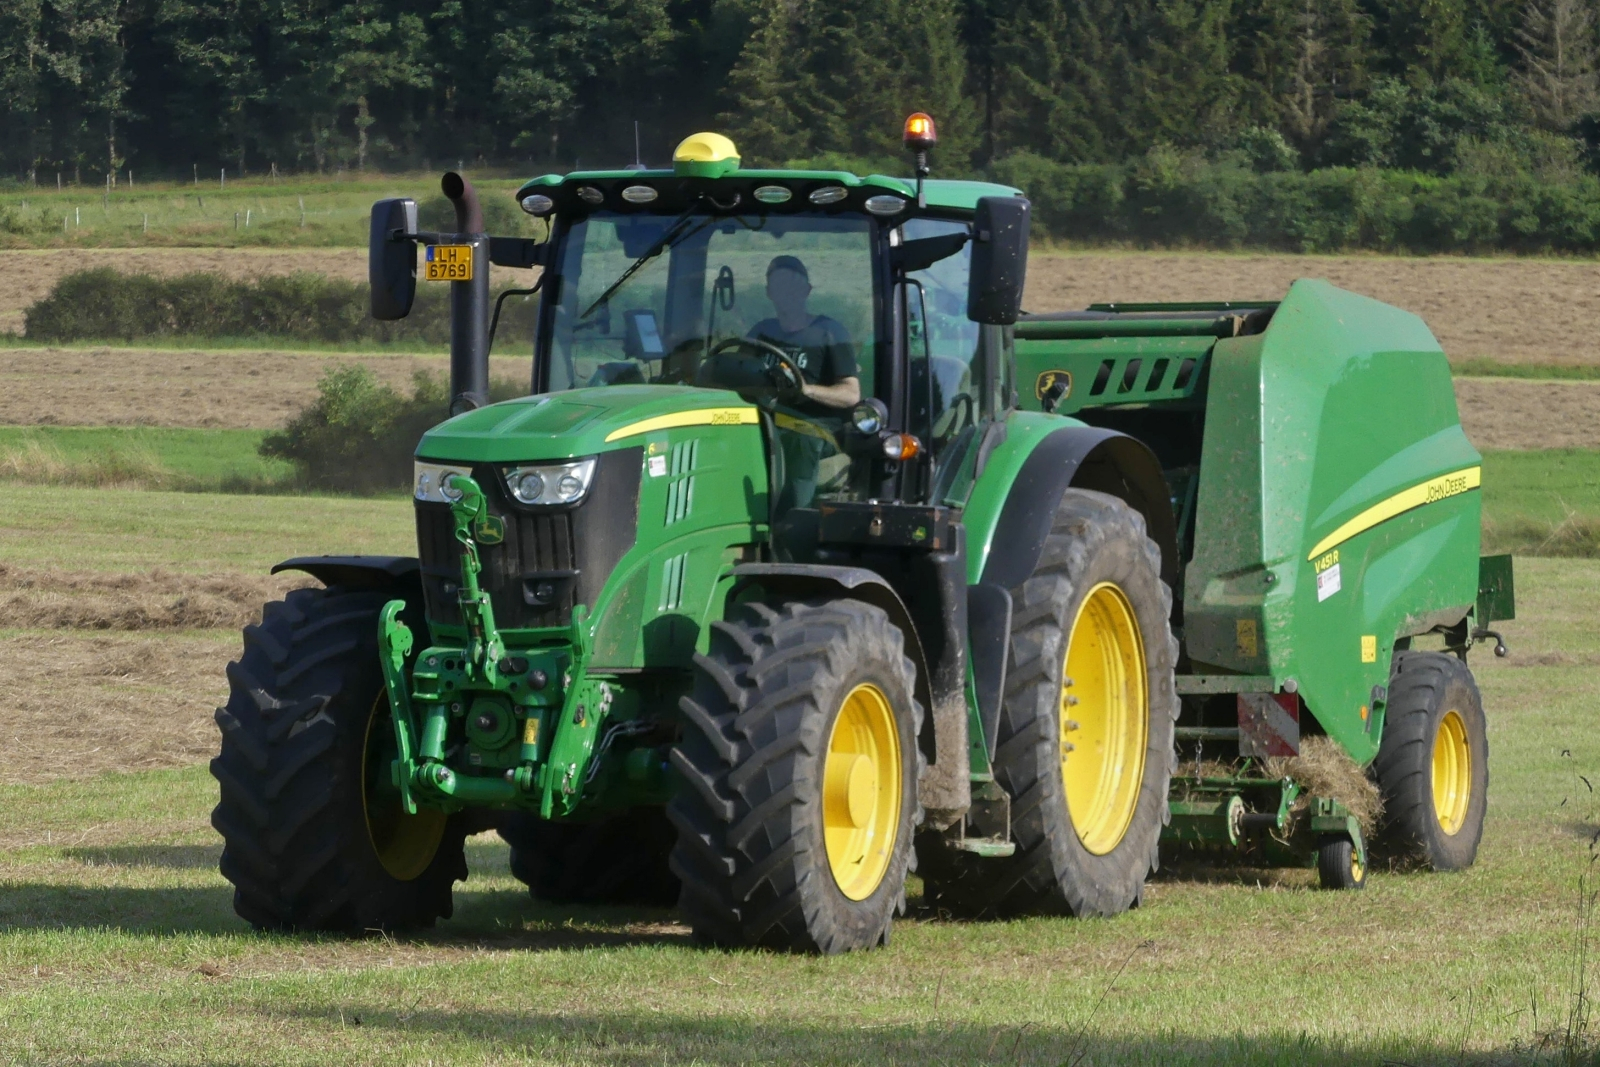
1452 773
1105 718
405 844
861 792
1357 871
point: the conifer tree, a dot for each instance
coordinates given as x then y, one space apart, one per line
1556 43
825 77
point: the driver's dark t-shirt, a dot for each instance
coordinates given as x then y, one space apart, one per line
822 349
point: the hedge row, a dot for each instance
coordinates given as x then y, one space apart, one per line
106 305
1160 202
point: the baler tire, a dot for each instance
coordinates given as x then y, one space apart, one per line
1425 689
759 734
1338 864
1095 539
294 769
621 859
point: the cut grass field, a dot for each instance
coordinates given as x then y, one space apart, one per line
1487 313
118 944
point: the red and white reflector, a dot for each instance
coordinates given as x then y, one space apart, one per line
1269 724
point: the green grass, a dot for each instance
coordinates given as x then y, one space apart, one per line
336 212
126 529
118 945
1550 485
196 459
1479 367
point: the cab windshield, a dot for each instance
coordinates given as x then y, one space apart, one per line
802 284
779 308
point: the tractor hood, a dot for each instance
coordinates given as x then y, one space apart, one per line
579 422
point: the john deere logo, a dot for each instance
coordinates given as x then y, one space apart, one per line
1053 381
489 530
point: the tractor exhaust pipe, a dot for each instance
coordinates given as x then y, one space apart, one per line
469 300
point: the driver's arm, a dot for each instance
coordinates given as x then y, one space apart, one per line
845 393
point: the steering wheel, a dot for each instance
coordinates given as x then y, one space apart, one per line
786 376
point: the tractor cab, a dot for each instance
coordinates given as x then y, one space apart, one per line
838 305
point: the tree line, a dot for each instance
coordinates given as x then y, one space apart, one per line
172 87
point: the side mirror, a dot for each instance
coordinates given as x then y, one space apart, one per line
999 260
391 262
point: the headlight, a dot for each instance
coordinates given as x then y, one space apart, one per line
550 483
428 482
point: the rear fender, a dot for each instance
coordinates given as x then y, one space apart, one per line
1075 457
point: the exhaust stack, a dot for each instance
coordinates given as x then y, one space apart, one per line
469 300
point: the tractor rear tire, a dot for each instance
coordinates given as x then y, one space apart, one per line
1096 602
314 835
618 860
799 763
1433 763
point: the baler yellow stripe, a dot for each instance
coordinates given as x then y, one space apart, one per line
1433 489
698 417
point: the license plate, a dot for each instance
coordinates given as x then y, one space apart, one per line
448 263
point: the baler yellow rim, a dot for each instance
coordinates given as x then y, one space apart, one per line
404 844
1452 773
1104 718
861 791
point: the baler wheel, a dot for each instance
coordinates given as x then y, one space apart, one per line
1339 864
1086 728
800 765
1433 762
621 859
314 837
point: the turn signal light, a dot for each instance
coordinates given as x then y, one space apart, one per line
920 134
901 446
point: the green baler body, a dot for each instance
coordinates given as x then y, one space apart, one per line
1327 444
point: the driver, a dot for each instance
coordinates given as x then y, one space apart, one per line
831 382
820 346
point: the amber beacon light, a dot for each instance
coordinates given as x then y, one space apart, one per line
919 137
920 134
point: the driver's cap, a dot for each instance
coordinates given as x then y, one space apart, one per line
792 263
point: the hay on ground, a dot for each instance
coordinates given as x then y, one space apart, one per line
50 599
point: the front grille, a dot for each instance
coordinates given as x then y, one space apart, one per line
550 559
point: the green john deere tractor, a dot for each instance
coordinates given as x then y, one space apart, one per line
808 558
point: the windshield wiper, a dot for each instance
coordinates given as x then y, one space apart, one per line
675 232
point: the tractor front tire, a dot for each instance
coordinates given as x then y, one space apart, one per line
1085 746
1433 763
621 859
799 763
314 837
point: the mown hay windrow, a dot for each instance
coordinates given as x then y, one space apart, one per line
154 600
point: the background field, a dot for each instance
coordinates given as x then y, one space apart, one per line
126 572
118 944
